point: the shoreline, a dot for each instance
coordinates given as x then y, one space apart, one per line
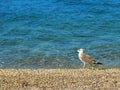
60 79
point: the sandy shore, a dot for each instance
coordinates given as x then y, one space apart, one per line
59 79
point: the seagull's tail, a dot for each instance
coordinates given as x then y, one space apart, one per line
98 63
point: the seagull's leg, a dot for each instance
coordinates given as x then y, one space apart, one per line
83 65
92 66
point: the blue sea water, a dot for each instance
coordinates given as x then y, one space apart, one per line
47 33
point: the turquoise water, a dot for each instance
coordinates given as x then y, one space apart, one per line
47 33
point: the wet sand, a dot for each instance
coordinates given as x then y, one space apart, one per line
59 79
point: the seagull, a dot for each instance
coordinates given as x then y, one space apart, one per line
86 59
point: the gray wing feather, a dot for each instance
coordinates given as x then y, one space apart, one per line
88 59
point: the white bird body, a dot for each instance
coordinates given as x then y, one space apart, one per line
80 55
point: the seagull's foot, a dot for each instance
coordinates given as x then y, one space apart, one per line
83 67
93 68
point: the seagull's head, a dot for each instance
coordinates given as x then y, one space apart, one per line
80 50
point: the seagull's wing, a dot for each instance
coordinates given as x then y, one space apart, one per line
88 59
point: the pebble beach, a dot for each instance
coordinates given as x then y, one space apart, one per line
60 79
